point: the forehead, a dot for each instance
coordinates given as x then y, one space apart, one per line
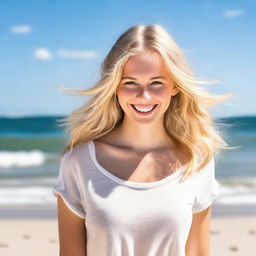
146 63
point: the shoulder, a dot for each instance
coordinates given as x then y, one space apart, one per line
206 172
209 166
75 155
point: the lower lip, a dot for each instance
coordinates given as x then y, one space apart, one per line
144 113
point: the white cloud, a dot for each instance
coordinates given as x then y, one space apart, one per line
233 13
75 54
43 54
21 29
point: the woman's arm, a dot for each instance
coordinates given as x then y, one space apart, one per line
198 243
72 231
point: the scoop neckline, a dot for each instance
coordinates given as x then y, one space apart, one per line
133 184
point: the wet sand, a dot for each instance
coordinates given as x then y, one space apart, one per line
38 235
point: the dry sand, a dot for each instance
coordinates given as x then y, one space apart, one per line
233 236
25 237
29 237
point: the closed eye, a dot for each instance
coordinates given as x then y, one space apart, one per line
155 82
130 82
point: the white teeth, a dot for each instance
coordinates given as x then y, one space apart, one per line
143 109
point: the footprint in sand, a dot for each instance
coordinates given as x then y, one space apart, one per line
25 236
233 248
252 232
4 245
52 241
214 232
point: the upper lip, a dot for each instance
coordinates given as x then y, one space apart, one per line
144 105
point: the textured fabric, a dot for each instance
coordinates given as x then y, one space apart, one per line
125 218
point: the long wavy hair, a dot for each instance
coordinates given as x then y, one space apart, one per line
187 120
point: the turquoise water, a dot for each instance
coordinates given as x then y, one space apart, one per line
29 150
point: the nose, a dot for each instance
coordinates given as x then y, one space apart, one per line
143 93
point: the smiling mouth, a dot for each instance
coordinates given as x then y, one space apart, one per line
144 110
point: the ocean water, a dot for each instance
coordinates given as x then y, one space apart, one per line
30 147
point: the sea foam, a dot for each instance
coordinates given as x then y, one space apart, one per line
21 158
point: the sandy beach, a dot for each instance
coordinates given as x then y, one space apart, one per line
230 235
27 237
233 236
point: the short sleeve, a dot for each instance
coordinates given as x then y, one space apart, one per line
207 188
67 186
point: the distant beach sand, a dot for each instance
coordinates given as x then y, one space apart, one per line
233 235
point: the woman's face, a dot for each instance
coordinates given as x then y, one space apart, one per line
145 90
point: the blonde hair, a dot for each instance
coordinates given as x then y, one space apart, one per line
186 121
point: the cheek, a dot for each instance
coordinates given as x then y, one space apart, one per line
162 94
124 93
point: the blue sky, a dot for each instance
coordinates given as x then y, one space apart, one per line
62 43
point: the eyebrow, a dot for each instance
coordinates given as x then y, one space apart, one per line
132 78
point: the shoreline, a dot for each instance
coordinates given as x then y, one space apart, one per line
33 230
228 236
49 211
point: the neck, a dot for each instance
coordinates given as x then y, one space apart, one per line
142 137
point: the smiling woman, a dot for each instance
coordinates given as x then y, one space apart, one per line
146 125
145 94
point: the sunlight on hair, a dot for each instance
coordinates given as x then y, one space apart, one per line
187 121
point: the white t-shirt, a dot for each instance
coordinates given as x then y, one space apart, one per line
125 218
